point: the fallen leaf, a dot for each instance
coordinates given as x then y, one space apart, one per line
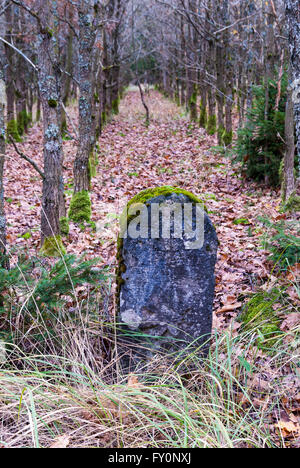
288 427
292 321
133 381
61 442
229 308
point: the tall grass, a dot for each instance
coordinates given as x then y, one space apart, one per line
218 404
71 383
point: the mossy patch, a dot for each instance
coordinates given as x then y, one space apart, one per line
243 221
93 164
64 128
27 235
293 203
211 126
103 118
64 226
142 198
227 138
21 124
259 315
52 103
203 117
221 131
166 190
115 106
12 131
193 107
81 207
53 247
23 121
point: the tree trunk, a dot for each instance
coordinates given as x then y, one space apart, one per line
3 258
228 52
87 35
288 184
49 79
293 19
12 129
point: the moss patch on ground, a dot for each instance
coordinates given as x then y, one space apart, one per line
259 315
12 131
81 207
293 204
227 138
203 117
211 126
53 247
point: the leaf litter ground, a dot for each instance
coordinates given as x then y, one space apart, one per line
171 151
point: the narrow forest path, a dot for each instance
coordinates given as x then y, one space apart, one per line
172 151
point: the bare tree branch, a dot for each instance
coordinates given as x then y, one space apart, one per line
23 156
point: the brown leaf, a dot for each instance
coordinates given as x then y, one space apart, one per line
288 427
229 308
133 381
61 442
292 321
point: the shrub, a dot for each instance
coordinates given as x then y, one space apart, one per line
260 145
259 316
33 292
283 242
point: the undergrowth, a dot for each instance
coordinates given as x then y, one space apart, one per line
71 383
282 240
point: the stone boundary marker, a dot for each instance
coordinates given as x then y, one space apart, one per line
167 252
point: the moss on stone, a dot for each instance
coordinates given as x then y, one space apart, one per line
12 131
142 198
64 226
259 315
81 207
53 247
211 126
166 190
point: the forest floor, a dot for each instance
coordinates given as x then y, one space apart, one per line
172 151
243 397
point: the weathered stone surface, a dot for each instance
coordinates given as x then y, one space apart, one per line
167 290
